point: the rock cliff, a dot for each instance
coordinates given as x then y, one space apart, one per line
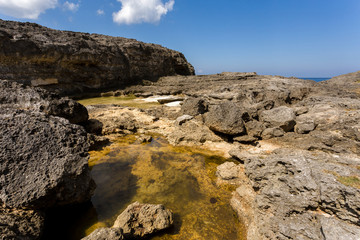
72 62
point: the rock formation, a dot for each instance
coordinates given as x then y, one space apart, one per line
298 142
71 62
43 158
136 221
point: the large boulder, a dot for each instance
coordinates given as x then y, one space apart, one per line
194 106
139 220
283 117
72 62
226 118
44 160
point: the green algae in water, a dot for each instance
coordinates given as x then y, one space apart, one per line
181 178
126 101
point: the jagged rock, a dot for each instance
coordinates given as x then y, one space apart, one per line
304 127
20 224
139 220
194 106
144 139
227 171
72 63
43 160
105 234
283 117
246 139
272 132
226 118
16 95
254 128
184 118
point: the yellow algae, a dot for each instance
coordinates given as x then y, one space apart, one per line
181 178
126 101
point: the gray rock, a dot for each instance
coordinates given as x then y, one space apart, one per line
246 139
333 229
105 234
304 127
182 119
226 118
16 95
194 106
139 220
227 171
44 161
76 63
272 132
20 224
283 117
254 128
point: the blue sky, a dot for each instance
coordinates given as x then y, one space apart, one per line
303 38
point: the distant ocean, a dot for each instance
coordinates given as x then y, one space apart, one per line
316 79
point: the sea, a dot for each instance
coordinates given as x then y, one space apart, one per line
316 79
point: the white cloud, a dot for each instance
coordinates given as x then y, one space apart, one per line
71 6
100 12
30 9
138 11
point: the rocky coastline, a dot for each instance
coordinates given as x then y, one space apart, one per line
296 142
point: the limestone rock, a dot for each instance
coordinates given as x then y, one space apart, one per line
225 118
272 132
184 118
75 63
139 220
227 171
194 106
283 117
105 234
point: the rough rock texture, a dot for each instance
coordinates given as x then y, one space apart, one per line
14 95
136 221
139 220
72 62
227 171
105 234
20 224
283 117
43 158
225 118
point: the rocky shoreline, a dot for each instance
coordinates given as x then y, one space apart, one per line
297 142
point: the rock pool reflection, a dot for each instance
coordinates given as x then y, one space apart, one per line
183 179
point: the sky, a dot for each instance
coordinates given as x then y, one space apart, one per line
302 38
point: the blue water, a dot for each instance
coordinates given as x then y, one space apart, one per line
316 79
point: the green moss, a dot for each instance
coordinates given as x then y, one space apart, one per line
351 181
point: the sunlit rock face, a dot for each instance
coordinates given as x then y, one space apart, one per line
72 62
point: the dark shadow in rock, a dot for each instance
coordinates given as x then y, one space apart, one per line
69 222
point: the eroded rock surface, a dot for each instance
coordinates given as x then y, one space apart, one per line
74 63
136 221
43 158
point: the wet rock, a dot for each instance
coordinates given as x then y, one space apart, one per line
184 118
225 118
76 63
139 220
20 224
194 106
227 171
105 234
283 117
144 139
